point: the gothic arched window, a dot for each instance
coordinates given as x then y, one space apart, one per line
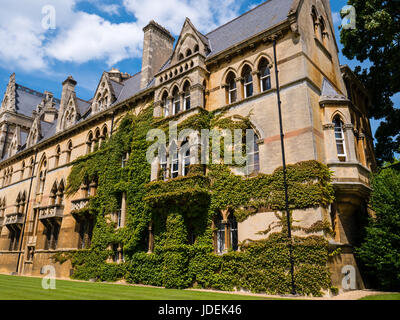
231 88
177 101
185 154
174 160
247 82
186 98
165 104
265 75
253 153
339 138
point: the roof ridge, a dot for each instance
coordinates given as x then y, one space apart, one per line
243 14
29 90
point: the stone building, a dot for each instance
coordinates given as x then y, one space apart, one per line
231 68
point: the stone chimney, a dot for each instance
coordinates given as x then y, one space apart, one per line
50 113
68 88
115 75
157 49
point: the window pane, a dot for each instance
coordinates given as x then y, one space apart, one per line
221 238
232 96
249 90
266 83
340 148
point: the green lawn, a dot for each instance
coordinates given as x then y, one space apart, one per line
391 296
25 288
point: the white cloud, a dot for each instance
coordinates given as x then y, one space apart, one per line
336 18
93 38
205 14
81 37
111 9
22 35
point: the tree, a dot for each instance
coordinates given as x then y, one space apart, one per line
377 38
380 251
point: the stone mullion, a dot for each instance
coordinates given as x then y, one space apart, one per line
330 142
348 131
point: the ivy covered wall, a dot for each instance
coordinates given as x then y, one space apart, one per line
172 206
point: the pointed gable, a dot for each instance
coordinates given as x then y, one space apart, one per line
330 95
35 133
189 42
15 144
106 93
72 112
9 97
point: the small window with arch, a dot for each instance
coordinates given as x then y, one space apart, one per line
339 138
186 100
247 82
177 101
265 75
231 88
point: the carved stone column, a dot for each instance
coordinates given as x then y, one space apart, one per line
351 148
256 82
330 142
123 210
239 89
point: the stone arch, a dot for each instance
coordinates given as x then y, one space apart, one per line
261 56
162 92
104 131
339 114
183 82
243 66
257 129
226 73
173 87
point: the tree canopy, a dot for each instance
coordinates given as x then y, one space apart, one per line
377 38
380 251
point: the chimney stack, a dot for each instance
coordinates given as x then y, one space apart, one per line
157 49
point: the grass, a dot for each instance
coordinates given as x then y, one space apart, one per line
390 296
26 288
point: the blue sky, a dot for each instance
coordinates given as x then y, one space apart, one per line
92 36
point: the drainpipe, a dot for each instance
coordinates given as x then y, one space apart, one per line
284 171
26 214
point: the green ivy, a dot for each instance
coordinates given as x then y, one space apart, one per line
172 206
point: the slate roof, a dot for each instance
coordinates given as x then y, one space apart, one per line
329 93
130 88
27 99
259 19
